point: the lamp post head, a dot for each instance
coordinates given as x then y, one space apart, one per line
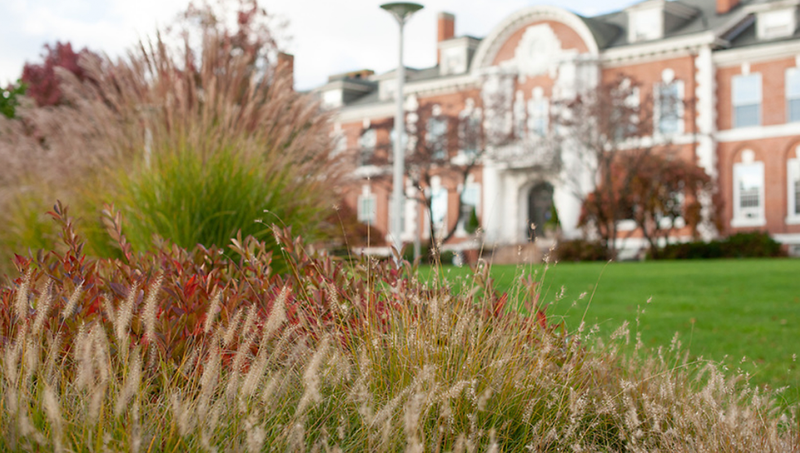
402 10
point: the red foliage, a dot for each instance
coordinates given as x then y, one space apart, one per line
42 80
323 296
654 190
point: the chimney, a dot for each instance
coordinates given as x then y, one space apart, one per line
447 30
285 66
723 6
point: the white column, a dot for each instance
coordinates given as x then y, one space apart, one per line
492 198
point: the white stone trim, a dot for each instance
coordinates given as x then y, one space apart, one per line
744 223
661 46
706 111
790 238
755 54
371 111
757 132
488 48
444 84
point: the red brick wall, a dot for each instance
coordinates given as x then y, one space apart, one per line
568 37
649 74
773 92
774 152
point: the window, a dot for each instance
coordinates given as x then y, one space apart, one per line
470 199
470 133
775 24
669 108
438 196
437 137
646 24
537 113
793 179
625 115
339 139
747 100
793 94
367 144
469 129
748 191
519 115
366 206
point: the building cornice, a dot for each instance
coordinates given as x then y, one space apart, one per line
371 111
677 46
753 54
758 132
489 46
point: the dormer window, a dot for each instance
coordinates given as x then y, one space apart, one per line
646 25
651 19
777 23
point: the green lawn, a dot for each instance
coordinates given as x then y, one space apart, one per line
736 308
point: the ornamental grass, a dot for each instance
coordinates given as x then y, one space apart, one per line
210 350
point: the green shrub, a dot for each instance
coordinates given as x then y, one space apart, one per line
581 250
756 244
739 245
192 200
190 154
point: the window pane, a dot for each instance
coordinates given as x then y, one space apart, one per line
793 83
750 180
367 144
747 115
439 205
747 89
437 137
797 197
750 176
794 109
470 195
366 210
668 108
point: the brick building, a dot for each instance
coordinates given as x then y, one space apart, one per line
737 61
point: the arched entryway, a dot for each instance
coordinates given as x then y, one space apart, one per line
540 209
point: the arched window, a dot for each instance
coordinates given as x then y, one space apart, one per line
669 104
748 191
366 206
793 179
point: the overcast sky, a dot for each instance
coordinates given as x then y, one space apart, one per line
327 36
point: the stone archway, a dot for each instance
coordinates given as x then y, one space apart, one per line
540 209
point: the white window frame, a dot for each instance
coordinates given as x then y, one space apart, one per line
753 216
461 231
741 103
792 93
436 136
792 180
679 129
367 143
538 114
437 191
469 130
367 216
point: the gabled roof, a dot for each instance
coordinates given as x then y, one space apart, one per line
609 31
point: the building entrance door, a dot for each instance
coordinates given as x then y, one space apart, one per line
540 209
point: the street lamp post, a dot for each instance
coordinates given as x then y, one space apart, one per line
401 12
